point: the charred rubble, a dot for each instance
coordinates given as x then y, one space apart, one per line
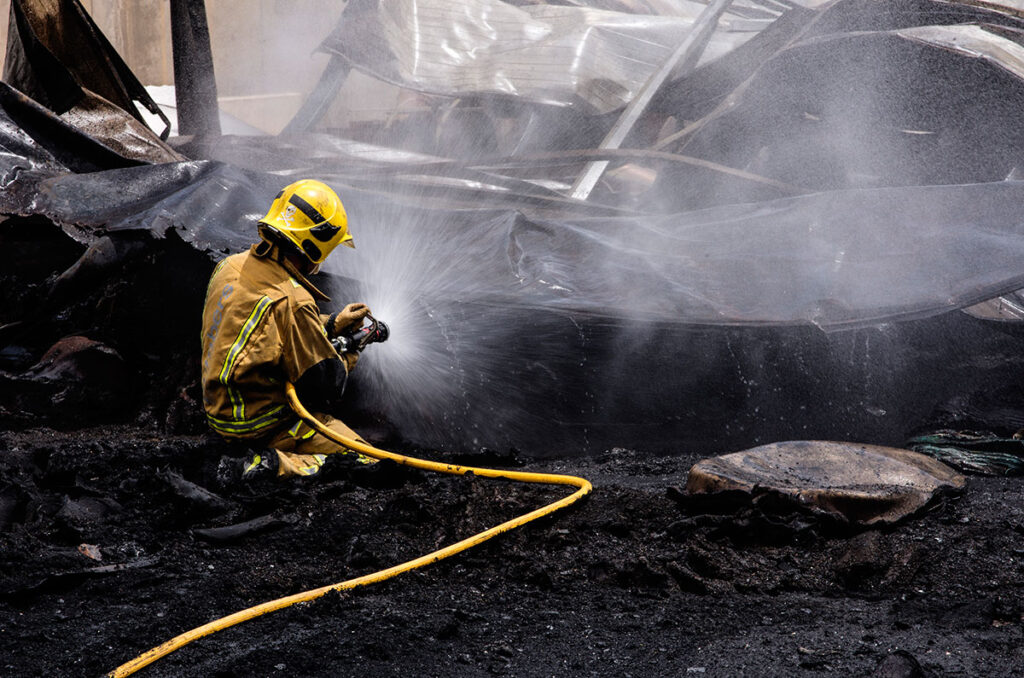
892 126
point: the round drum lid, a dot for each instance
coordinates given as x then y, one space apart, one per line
861 483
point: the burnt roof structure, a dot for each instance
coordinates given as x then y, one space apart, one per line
849 166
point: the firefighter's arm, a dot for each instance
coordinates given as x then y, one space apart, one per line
320 387
310 361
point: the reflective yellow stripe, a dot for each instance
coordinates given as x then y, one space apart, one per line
237 404
313 468
250 325
274 416
240 429
294 431
243 336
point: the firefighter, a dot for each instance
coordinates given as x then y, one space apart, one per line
262 327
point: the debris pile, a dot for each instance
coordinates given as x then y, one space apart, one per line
793 168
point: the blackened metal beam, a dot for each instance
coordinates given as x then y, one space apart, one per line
195 87
682 60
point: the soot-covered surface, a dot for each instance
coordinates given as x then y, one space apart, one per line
103 559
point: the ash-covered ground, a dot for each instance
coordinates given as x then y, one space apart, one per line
104 555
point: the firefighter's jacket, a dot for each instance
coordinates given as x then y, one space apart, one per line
261 327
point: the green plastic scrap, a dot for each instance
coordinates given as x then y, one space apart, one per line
977 452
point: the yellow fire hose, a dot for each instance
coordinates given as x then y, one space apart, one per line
584 486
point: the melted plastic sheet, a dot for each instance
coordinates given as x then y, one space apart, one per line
834 259
543 53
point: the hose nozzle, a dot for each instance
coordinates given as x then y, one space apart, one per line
376 331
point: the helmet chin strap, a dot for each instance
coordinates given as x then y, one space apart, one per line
300 263
286 252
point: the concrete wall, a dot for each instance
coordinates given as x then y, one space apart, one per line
263 50
264 55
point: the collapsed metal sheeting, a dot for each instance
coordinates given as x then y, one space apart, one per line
832 259
768 205
835 259
543 53
858 251
853 95
882 108
57 56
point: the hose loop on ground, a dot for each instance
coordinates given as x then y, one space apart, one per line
583 489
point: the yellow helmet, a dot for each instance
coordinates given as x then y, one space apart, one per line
309 215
